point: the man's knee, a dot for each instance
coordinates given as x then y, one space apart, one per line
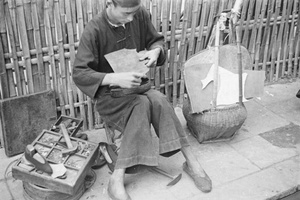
158 99
142 102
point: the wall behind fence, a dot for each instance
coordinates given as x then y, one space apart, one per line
39 38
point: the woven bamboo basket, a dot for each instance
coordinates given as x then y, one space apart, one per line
215 125
220 122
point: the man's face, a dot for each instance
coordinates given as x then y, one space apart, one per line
122 15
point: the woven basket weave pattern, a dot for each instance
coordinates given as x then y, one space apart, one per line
214 125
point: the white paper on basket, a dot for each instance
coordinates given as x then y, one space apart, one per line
228 85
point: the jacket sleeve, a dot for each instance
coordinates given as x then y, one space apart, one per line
85 76
154 39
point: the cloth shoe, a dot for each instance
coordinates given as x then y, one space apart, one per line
298 94
203 183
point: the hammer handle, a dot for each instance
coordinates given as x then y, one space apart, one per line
66 135
160 171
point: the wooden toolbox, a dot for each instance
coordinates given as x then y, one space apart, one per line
73 125
77 165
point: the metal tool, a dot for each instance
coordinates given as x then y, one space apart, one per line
37 159
175 179
71 149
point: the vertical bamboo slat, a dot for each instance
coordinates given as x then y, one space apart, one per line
80 94
245 40
274 40
13 16
41 16
286 36
297 47
25 45
182 49
201 25
31 45
14 54
254 31
5 48
4 91
193 27
279 41
267 38
37 36
291 39
72 56
61 87
259 34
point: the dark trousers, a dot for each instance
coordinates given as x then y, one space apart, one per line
133 115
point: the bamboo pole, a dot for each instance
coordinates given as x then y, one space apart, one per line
31 44
165 26
41 15
201 26
70 85
61 88
297 48
50 46
25 45
274 40
5 47
279 41
172 46
254 31
193 25
243 17
285 36
80 94
210 19
245 40
13 14
259 35
13 50
182 52
216 66
291 39
39 55
267 38
4 91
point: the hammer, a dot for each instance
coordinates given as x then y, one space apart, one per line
175 179
71 149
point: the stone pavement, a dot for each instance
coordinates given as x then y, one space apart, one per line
261 162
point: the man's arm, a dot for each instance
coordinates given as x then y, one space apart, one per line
154 42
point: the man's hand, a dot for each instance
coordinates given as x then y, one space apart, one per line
123 80
151 56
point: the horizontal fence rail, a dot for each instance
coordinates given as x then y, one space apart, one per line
39 39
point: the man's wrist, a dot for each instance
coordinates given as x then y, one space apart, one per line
108 79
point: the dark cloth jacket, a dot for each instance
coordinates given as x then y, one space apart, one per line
100 38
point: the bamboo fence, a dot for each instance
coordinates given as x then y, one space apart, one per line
39 39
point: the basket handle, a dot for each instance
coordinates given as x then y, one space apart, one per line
235 39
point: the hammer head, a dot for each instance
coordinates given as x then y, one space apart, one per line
175 180
70 151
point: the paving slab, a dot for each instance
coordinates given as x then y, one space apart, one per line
223 163
262 185
261 152
5 162
284 137
259 119
16 188
279 92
